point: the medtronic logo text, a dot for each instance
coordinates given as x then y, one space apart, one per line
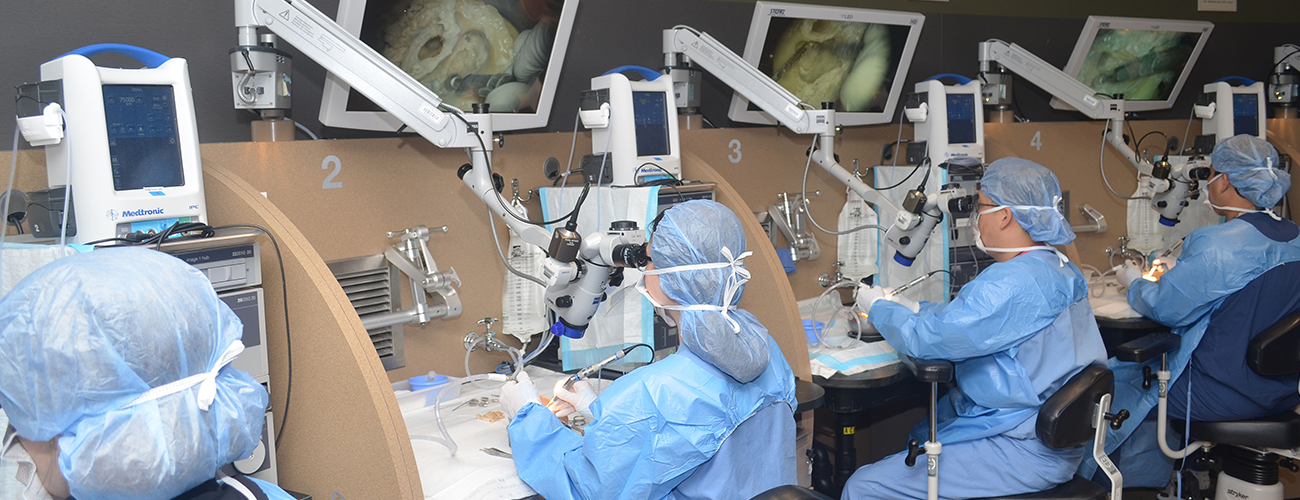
142 212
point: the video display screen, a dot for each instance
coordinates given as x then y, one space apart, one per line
851 64
143 146
466 51
1141 65
961 119
650 116
1245 114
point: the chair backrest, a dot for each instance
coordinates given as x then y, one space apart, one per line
1065 420
1276 351
757 456
1257 323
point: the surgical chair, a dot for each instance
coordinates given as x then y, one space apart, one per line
1250 451
1076 414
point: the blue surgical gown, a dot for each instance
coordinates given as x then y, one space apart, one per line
1217 261
1015 334
655 428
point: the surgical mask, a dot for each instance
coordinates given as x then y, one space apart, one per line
739 275
33 488
1268 211
979 241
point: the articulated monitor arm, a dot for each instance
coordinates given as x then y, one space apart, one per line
1283 82
1172 184
765 93
574 288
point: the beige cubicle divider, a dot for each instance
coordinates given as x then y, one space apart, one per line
1284 133
390 184
768 294
344 432
762 162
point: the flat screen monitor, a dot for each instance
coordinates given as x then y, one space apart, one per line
1144 60
649 111
961 118
143 143
1245 114
507 53
854 58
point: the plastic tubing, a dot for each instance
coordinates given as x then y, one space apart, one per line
817 305
446 439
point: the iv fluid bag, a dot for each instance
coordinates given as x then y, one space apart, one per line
1144 234
523 303
856 251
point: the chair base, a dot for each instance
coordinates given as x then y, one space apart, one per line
790 492
1281 431
1077 488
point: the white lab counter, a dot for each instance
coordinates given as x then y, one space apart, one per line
471 473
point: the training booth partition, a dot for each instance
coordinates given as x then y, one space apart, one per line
345 433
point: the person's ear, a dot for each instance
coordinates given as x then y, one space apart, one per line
1004 218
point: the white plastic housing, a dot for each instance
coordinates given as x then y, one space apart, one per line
1223 124
935 129
627 166
98 208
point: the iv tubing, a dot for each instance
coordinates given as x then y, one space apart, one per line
437 411
13 167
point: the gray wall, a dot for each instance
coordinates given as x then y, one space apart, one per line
610 33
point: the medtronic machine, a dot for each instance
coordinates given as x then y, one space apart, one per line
1226 111
633 128
948 121
121 145
232 261
577 268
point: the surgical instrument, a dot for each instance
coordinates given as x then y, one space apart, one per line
595 367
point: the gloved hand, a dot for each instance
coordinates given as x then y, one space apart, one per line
867 295
517 393
1128 273
1162 265
576 398
899 299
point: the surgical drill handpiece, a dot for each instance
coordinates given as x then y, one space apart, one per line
597 366
918 280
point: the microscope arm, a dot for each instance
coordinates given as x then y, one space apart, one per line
572 293
1064 87
765 93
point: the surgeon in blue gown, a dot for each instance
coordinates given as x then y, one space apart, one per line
1015 334
115 377
1216 262
714 420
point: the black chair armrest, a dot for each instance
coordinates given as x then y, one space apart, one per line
930 371
1145 348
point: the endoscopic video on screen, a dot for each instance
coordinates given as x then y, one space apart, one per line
848 63
1142 65
467 51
